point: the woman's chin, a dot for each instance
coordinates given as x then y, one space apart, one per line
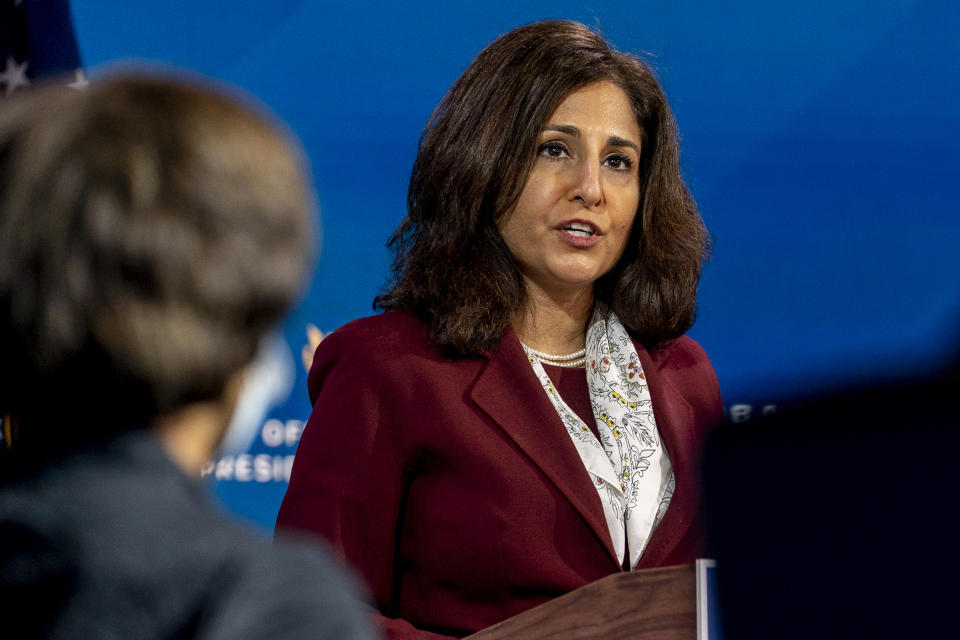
578 276
569 282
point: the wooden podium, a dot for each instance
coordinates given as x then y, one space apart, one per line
654 604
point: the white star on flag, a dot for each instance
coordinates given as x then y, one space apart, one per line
80 80
14 76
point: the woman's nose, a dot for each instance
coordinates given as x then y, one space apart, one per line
585 183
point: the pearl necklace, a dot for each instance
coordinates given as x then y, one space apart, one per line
571 360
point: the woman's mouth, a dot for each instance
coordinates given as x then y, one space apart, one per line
579 233
579 229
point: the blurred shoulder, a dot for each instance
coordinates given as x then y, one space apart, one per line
291 590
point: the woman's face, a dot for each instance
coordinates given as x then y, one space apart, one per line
572 220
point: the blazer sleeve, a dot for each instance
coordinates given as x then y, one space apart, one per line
699 382
349 475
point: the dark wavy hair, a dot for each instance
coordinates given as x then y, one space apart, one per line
451 266
151 231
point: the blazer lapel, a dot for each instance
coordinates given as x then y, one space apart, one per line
675 423
508 391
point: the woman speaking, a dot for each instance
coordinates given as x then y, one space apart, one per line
526 415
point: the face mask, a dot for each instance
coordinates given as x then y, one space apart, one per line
267 382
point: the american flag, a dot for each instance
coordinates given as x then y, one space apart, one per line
36 40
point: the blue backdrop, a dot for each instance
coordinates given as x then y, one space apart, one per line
820 140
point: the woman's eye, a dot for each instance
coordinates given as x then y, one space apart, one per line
552 150
620 163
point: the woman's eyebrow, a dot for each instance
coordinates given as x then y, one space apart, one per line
613 141
569 129
617 141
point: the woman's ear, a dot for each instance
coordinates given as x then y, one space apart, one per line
192 433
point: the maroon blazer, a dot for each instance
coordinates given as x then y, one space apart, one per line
454 489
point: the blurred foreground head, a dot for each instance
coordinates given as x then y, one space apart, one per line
151 230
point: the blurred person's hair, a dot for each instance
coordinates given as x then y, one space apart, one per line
151 230
452 267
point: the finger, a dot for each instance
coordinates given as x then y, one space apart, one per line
306 354
314 337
